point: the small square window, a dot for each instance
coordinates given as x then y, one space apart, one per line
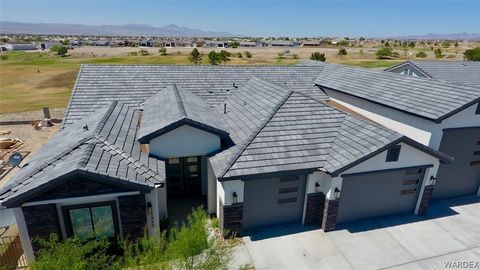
477 111
393 153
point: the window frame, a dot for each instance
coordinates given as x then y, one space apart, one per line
389 157
68 221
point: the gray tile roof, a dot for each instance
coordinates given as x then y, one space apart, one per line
108 149
175 106
428 98
462 72
292 131
97 85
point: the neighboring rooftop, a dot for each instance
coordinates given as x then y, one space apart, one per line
428 98
97 85
462 72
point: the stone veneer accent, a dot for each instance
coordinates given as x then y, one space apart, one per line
133 215
41 221
330 212
232 218
314 208
427 195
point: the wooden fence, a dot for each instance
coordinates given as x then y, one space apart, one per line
11 253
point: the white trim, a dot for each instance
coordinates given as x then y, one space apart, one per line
24 236
80 199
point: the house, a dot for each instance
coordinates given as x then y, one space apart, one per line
282 43
247 44
20 46
258 146
47 45
311 43
442 115
463 72
216 44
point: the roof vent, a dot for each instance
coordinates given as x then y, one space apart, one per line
85 128
234 85
224 108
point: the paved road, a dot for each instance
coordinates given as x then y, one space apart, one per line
449 233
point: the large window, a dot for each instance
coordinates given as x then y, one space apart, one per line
99 219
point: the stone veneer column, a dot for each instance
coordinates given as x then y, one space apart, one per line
427 195
41 221
330 212
133 215
314 208
231 218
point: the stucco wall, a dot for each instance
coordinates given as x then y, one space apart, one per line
422 130
183 142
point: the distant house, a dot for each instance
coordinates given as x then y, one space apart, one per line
311 43
248 44
216 44
20 46
283 43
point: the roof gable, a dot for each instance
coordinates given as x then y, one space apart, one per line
173 107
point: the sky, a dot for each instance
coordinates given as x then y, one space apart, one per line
262 18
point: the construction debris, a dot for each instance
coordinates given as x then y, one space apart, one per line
7 143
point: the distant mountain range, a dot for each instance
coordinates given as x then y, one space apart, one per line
453 36
171 30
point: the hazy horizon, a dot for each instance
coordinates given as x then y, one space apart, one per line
261 18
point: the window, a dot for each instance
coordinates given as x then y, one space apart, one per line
85 220
393 153
287 200
287 190
477 111
408 191
411 182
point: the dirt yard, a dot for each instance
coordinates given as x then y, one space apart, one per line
32 139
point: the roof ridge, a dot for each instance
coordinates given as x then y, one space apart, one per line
248 141
74 89
105 117
179 99
136 165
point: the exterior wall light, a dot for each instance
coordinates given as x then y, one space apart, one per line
433 180
235 197
336 193
317 187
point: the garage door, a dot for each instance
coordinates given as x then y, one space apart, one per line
462 176
273 201
379 194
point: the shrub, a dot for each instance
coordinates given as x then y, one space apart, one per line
248 54
384 53
234 44
132 53
472 54
342 51
421 54
280 55
295 56
195 56
143 52
438 53
446 44
162 51
224 56
213 58
317 56
4 57
239 55
59 49
73 253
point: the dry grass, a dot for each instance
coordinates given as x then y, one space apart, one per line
31 80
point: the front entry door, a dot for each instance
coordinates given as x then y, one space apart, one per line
183 176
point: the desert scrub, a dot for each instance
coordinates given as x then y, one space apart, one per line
190 246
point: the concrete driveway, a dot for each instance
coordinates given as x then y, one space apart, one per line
448 234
